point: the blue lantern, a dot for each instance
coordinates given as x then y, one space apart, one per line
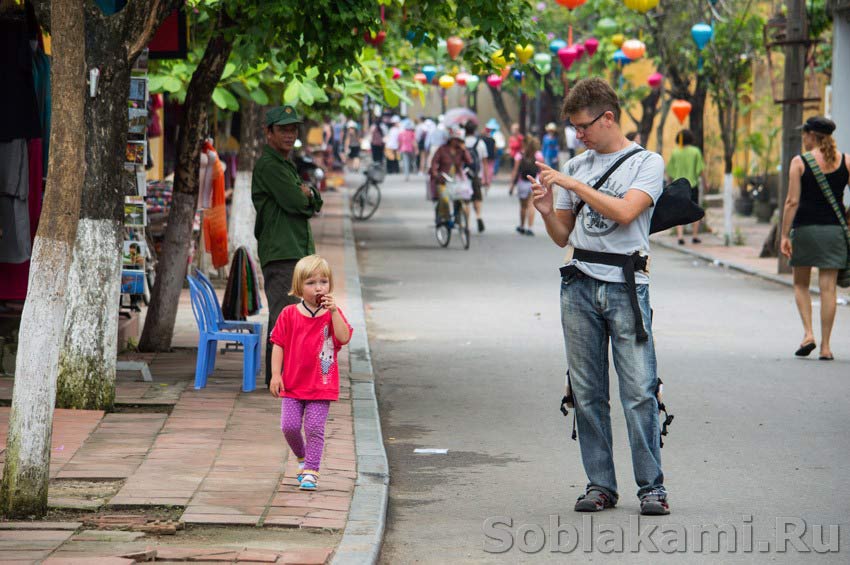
702 34
557 44
429 71
620 58
518 75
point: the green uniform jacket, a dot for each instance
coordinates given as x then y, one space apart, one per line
283 212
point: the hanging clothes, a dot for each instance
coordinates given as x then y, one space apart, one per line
43 93
242 294
15 242
18 104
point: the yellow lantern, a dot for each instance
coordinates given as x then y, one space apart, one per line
498 59
524 54
446 82
617 39
642 6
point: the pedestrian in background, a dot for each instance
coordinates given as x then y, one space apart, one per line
515 144
501 144
352 145
391 146
814 227
573 143
686 162
605 291
376 141
478 152
423 130
490 163
407 147
526 167
284 205
551 145
307 338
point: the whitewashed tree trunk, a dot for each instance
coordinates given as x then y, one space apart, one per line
27 466
87 360
242 216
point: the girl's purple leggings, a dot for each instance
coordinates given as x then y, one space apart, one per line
315 414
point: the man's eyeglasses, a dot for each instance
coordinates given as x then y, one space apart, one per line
581 128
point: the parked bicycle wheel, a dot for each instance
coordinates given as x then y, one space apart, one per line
462 224
365 201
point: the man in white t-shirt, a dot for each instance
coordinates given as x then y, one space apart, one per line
605 291
479 160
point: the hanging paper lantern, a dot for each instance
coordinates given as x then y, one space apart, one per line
580 49
494 80
681 108
541 6
518 75
446 82
442 47
634 49
620 58
460 78
567 55
607 26
543 61
655 79
505 72
591 45
571 4
642 6
524 54
454 45
472 83
396 73
557 44
498 59
702 34
617 39
421 78
430 72
373 38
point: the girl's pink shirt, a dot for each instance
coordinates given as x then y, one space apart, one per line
407 141
310 368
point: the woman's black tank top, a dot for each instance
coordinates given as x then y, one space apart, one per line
814 208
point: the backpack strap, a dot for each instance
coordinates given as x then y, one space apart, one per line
608 173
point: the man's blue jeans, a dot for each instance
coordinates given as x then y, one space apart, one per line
592 312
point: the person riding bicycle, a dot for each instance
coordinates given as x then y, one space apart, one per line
449 161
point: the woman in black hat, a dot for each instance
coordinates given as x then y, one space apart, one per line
812 232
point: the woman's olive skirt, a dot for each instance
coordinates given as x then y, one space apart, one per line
821 246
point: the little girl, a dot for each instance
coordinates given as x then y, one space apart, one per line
306 338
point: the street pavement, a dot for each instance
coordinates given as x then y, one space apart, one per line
468 357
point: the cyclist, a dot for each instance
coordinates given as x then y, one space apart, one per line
450 160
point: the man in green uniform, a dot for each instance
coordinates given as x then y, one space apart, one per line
284 205
686 162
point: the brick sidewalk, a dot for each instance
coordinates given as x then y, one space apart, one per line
217 454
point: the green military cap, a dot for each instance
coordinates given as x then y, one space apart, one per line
282 115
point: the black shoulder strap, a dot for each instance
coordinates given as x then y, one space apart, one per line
609 172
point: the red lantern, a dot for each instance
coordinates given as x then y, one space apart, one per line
591 45
454 45
375 39
567 55
461 77
420 78
494 80
571 4
682 109
655 80
396 73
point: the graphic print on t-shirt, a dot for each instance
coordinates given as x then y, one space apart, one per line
326 355
595 224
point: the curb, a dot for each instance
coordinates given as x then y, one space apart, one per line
735 266
364 529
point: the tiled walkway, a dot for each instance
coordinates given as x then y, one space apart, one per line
219 454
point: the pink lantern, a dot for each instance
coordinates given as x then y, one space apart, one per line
655 79
396 73
591 45
421 78
567 55
580 49
461 78
494 80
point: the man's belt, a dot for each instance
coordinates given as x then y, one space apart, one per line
629 264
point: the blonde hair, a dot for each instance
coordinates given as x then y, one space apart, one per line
827 147
306 267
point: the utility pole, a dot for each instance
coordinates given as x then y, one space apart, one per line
796 46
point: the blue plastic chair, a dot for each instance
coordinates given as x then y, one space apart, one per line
209 336
223 325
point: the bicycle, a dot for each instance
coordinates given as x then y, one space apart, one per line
366 199
459 217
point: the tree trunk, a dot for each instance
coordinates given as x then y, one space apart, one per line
26 471
659 132
697 100
650 108
87 360
242 214
499 104
171 268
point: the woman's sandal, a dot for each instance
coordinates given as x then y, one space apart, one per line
805 350
826 358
